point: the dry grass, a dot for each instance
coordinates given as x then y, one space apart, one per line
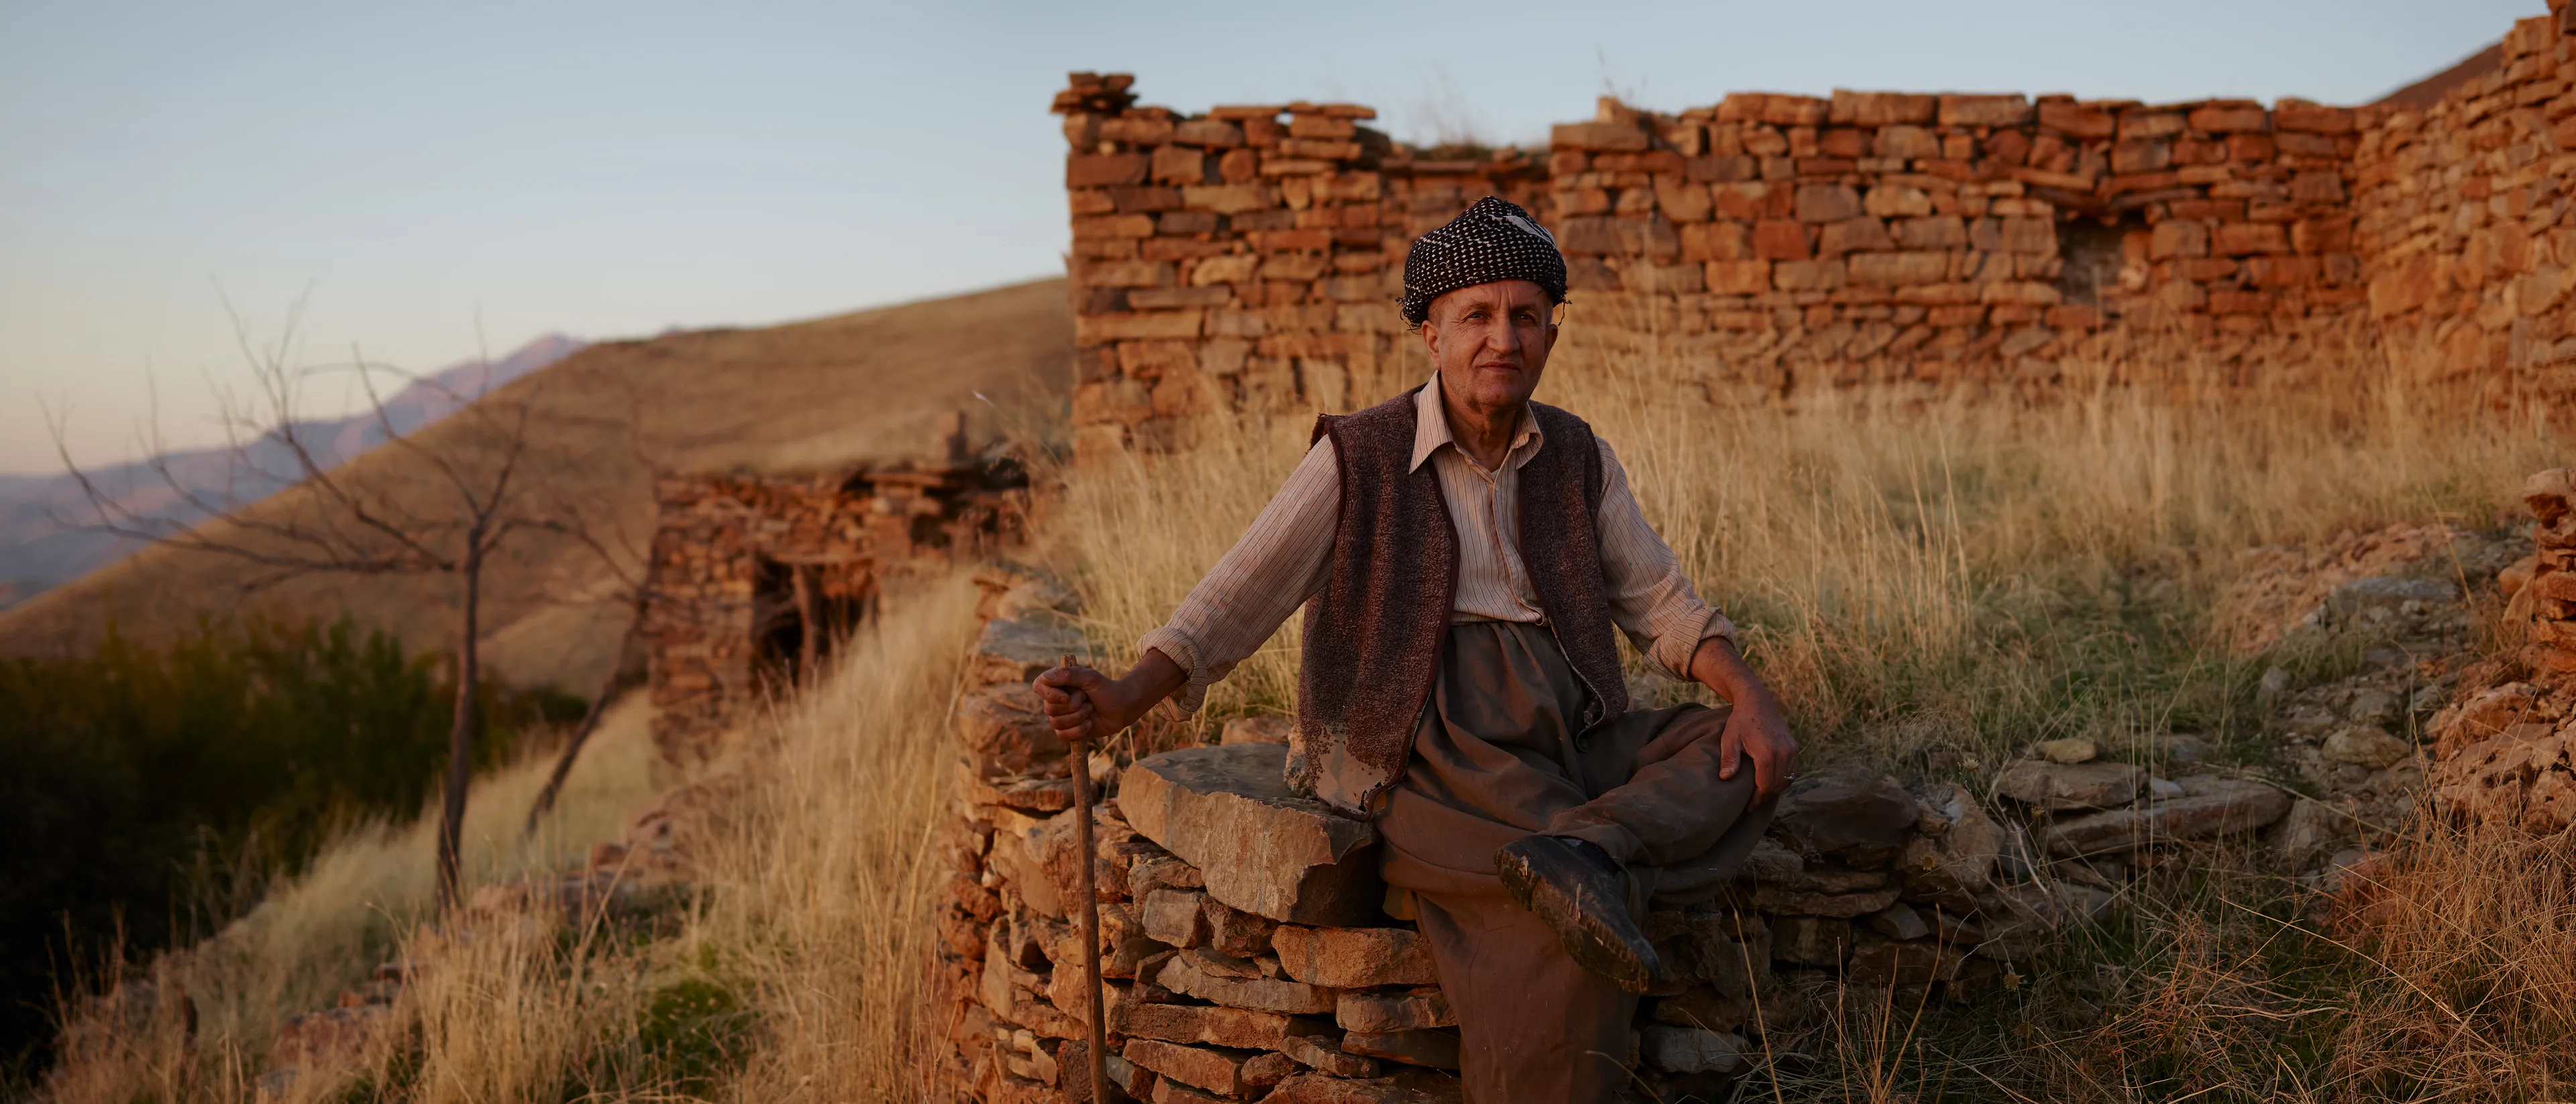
360 899
1933 582
827 886
798 974
1912 572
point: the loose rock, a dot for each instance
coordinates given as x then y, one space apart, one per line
2054 787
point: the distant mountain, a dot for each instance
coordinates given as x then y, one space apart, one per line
38 550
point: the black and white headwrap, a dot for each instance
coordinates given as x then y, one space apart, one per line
1493 240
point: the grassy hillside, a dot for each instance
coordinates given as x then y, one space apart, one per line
810 394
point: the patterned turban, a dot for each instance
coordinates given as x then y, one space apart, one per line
1494 240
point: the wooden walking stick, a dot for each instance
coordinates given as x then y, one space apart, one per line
1090 916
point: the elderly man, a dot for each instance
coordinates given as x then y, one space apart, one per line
1466 557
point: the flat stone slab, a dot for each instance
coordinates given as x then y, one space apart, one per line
1227 811
2209 806
1864 817
2058 786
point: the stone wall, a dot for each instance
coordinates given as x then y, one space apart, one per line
1251 952
1250 258
755 578
2464 216
2504 751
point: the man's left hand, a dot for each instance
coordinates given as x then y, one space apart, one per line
1756 730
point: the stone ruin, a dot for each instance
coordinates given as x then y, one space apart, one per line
1249 259
2504 753
756 578
1249 951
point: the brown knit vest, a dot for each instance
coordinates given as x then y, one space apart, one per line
1375 630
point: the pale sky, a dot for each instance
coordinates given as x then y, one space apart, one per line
448 175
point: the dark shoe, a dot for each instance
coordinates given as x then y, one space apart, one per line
1583 897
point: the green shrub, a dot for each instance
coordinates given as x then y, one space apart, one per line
150 793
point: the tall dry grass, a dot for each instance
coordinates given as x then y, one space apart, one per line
823 893
1912 571
362 897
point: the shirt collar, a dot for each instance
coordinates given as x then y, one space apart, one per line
1431 429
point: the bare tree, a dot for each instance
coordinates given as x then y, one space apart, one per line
335 520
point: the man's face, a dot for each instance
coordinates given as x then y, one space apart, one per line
1490 341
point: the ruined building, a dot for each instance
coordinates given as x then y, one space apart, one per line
756 578
1250 258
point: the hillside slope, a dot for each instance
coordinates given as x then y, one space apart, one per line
37 551
830 391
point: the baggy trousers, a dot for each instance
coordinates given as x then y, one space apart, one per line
1496 758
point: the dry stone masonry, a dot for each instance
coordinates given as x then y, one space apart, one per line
1250 258
2501 750
755 577
1250 952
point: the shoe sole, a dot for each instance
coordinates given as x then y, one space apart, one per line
1592 944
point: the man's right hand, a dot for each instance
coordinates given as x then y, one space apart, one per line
1086 706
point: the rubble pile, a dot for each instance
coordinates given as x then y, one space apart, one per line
2501 749
1250 950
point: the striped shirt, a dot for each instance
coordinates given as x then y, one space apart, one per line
1282 560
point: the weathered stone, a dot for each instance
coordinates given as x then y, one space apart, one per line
1227 811
2483 715
1780 900
2366 746
2210 806
1235 931
2388 592
1899 922
1876 961
1354 958
2074 749
1169 1091
2312 828
1771 862
1810 940
2053 787
1184 975
1218 964
1029 793
1860 817
1241 1028
1381 1012
1733 952
1436 1049
1326 1054
1954 865
1173 917
1058 848
1158 869
1267 1069
1692 1050
1005 731
1021 650
1217 1071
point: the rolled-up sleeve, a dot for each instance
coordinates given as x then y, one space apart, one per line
1277 564
1650 599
